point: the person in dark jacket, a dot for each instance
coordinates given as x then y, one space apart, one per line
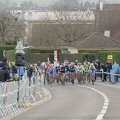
104 78
4 74
14 70
29 73
109 68
4 62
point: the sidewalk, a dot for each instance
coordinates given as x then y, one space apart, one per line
99 81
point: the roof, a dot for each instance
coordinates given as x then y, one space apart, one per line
50 15
96 40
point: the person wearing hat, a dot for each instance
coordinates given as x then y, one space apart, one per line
4 74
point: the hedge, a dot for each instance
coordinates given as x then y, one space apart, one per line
5 47
11 55
35 57
83 55
102 55
46 50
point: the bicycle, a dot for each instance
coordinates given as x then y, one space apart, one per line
51 79
58 77
92 78
67 77
72 77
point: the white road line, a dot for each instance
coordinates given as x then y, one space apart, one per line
105 105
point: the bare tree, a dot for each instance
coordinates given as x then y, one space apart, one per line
40 35
62 25
71 25
10 28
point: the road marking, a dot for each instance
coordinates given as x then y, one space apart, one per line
105 105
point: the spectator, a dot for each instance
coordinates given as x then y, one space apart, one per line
104 78
13 70
116 69
4 74
30 73
98 65
109 68
4 62
21 71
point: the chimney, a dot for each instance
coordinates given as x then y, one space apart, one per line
101 5
107 33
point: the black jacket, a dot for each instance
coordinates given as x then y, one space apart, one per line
2 64
4 75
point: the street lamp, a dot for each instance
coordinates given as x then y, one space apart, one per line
19 55
19 61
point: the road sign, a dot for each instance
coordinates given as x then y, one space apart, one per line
110 57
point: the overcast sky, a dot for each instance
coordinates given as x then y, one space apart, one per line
50 1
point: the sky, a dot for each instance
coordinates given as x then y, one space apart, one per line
50 1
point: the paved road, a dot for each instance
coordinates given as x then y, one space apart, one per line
72 102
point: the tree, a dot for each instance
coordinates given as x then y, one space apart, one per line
7 1
81 5
65 5
71 25
24 4
10 28
61 26
93 5
87 4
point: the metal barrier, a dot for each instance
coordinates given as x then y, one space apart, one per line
111 73
15 95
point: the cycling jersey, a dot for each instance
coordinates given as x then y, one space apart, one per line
57 69
51 71
72 69
80 68
92 69
66 68
62 69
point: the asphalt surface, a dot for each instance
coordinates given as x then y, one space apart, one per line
73 102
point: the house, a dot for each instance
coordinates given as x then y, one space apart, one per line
96 41
107 18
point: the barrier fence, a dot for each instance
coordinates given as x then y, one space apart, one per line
111 73
15 95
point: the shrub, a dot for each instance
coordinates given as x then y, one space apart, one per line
5 47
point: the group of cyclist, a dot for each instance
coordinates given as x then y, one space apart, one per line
68 72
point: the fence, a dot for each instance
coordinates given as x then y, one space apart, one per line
111 75
15 95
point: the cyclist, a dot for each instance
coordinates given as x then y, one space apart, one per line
57 76
80 73
72 70
51 72
87 73
92 72
67 75
62 71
